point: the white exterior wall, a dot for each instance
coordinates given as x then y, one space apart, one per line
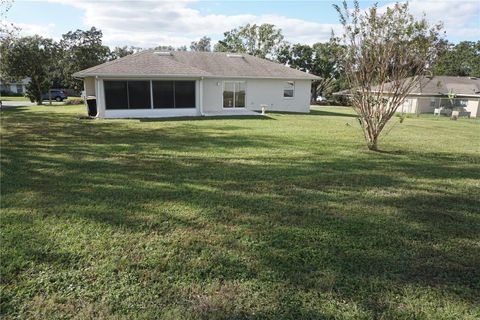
473 106
145 113
209 98
423 105
258 92
408 106
89 86
212 95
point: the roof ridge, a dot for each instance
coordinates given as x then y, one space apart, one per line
188 66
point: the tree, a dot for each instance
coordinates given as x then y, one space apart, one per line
386 54
298 56
120 52
32 57
170 48
262 41
201 45
81 50
327 66
164 48
321 59
462 59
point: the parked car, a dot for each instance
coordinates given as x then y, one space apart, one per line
320 99
55 94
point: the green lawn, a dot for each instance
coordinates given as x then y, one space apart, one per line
288 217
12 98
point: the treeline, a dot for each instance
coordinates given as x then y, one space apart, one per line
51 63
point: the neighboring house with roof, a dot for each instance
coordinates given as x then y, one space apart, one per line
180 83
13 87
445 92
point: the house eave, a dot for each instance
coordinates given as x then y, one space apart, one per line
151 76
424 94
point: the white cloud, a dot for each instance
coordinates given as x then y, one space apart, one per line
461 19
28 29
150 23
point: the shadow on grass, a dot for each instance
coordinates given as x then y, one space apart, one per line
208 118
318 112
329 224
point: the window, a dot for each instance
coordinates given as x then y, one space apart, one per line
228 94
163 94
234 94
135 94
139 95
173 94
116 94
288 89
127 94
240 95
184 94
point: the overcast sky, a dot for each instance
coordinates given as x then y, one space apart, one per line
151 23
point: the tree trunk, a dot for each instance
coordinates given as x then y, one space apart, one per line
372 142
372 146
38 94
371 135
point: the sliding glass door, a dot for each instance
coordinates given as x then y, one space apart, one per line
234 94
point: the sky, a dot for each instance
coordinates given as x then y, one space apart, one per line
151 23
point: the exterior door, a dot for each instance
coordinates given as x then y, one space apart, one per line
233 94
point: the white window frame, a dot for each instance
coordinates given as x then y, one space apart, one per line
223 90
283 90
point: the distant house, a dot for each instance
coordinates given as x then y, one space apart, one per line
443 92
168 84
17 87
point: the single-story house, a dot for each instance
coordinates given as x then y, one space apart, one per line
441 92
180 83
15 87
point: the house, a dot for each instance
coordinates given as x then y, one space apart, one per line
441 92
180 83
444 92
15 88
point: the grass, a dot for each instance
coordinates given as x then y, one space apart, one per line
288 217
22 98
13 98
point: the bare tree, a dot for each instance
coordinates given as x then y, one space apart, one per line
387 52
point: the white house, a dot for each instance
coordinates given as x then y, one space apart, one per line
17 87
181 83
445 93
442 93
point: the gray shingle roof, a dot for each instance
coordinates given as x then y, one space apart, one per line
194 64
445 84
439 85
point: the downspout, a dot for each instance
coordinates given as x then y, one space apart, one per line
97 96
200 105
84 94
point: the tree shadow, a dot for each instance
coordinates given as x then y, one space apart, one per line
325 113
